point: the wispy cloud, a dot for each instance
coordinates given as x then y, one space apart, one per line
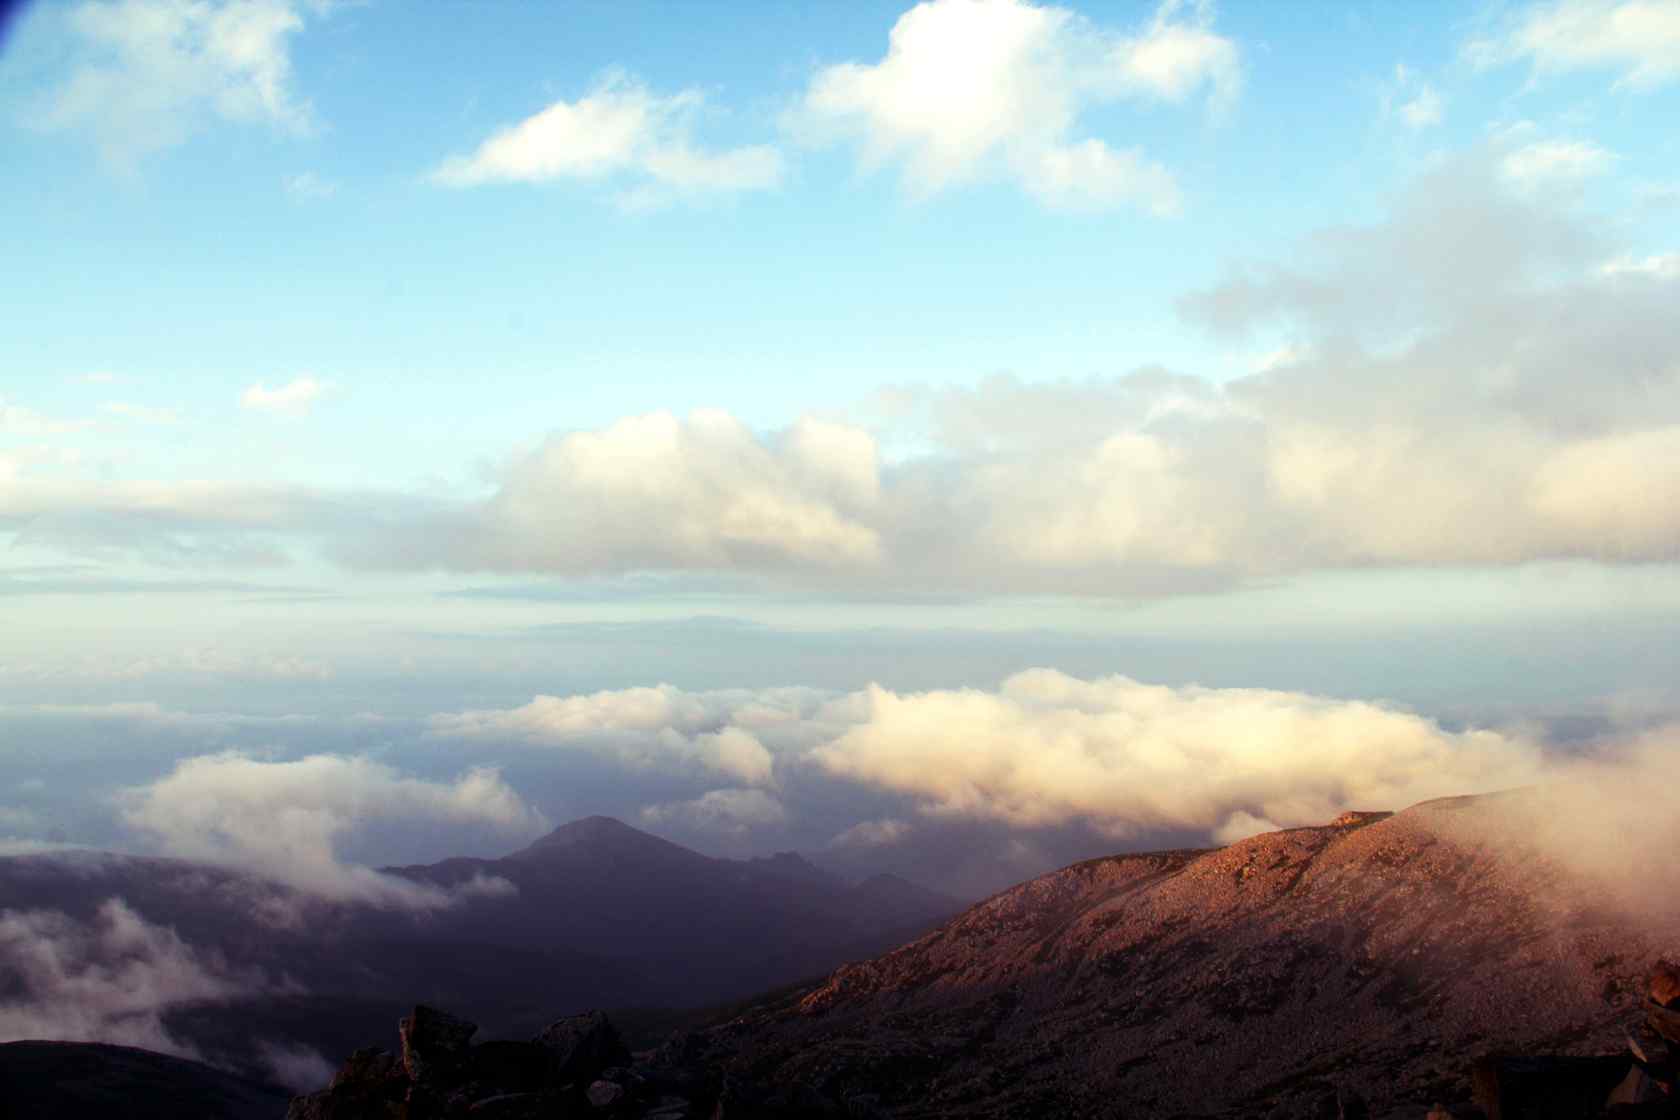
114 978
147 74
307 186
295 398
623 133
1416 102
1638 39
729 811
284 819
1552 161
141 413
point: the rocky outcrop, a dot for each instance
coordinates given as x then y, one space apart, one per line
576 1067
579 1046
434 1043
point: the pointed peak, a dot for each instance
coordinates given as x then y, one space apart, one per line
597 837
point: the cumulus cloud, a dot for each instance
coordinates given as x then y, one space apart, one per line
723 732
295 398
1640 39
285 820
975 89
619 131
149 73
1046 748
657 491
730 811
111 979
1473 331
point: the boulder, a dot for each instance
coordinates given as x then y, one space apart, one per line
371 1084
368 1067
579 1047
434 1043
605 1094
1665 985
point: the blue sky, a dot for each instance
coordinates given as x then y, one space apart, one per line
367 360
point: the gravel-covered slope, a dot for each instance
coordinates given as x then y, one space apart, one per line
1380 954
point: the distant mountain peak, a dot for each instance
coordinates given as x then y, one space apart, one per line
599 837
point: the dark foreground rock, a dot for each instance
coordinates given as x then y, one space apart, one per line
576 1067
93 1081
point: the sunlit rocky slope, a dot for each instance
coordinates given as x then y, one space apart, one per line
1376 956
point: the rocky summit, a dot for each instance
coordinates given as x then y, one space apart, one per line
1371 960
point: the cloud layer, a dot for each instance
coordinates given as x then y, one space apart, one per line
1044 750
285 820
976 89
1445 342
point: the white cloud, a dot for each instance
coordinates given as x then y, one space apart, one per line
620 131
1638 38
1044 749
881 833
149 73
732 732
295 398
731 811
112 979
286 819
1549 161
1412 99
1047 748
705 492
975 89
297 1067
1665 266
1474 331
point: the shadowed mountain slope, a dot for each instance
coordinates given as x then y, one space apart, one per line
695 928
600 914
81 1080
